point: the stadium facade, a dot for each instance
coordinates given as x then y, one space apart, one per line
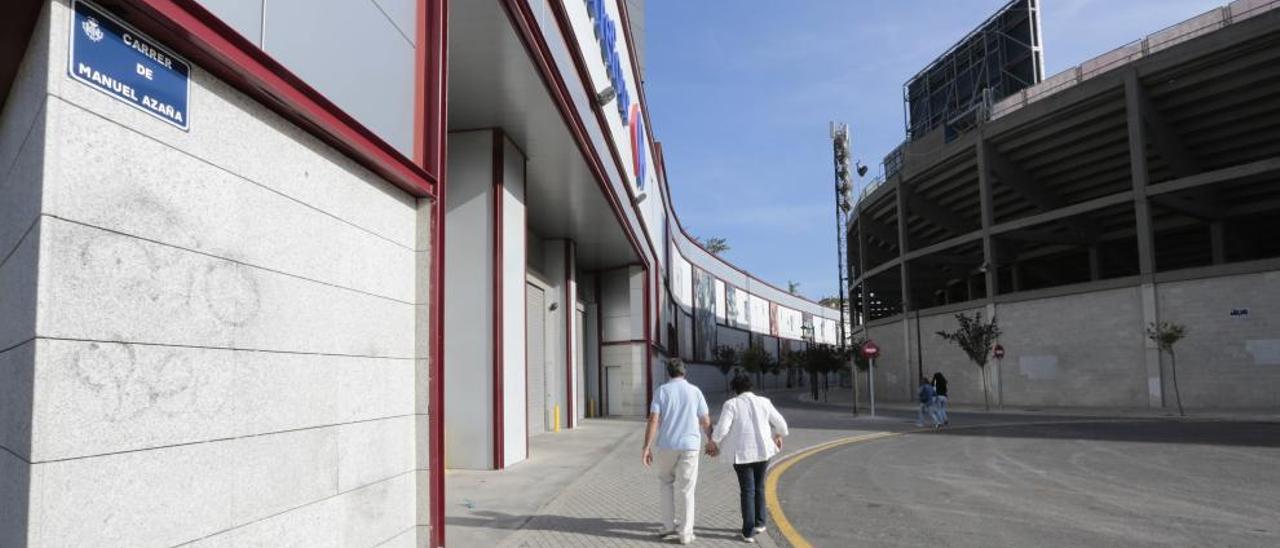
1141 186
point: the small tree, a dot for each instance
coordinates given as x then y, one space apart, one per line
756 360
714 246
775 368
1165 335
792 361
725 359
821 360
975 338
793 287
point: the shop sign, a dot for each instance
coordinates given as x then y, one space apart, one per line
111 57
639 146
607 36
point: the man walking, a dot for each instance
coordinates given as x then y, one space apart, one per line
678 418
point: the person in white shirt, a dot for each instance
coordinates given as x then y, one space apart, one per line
678 418
750 431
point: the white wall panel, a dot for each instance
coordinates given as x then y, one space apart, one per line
374 81
682 281
741 316
468 279
759 315
721 308
513 310
789 323
243 15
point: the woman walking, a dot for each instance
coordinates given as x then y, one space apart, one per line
927 395
750 431
940 397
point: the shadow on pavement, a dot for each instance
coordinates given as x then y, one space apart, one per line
1245 434
600 527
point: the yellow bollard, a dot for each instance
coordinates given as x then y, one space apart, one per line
556 419
591 408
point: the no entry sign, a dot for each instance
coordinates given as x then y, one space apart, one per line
998 352
870 350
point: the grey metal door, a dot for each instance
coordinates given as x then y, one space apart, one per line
613 389
535 357
579 362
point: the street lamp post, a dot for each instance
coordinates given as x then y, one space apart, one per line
806 333
844 204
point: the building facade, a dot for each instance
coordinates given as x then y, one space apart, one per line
269 269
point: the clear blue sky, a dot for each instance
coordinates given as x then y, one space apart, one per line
740 94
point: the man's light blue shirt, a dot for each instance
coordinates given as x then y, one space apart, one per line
679 405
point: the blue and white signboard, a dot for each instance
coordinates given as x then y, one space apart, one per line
111 57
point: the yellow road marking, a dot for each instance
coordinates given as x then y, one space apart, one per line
771 483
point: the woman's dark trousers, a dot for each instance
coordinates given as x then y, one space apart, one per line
751 492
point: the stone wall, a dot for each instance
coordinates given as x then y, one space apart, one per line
226 349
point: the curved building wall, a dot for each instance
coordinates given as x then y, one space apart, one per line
678 261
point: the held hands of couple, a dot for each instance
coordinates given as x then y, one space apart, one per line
713 450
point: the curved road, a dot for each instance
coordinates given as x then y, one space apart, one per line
1097 483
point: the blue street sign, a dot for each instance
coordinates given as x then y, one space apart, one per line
111 57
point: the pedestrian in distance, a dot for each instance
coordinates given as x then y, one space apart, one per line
749 431
940 397
678 418
926 396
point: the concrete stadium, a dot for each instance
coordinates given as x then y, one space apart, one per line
1137 187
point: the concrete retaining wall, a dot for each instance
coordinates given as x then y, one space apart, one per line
1226 360
1088 349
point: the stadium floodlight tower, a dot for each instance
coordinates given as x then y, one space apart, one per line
844 209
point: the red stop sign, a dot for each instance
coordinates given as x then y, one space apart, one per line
998 352
870 350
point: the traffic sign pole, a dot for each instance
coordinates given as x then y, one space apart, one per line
998 352
870 351
871 380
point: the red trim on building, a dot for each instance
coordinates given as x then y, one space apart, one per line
197 34
431 147
648 349
429 89
571 313
499 193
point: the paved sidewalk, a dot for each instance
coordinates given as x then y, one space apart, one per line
587 487
483 508
615 503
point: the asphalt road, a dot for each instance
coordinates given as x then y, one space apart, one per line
1079 482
